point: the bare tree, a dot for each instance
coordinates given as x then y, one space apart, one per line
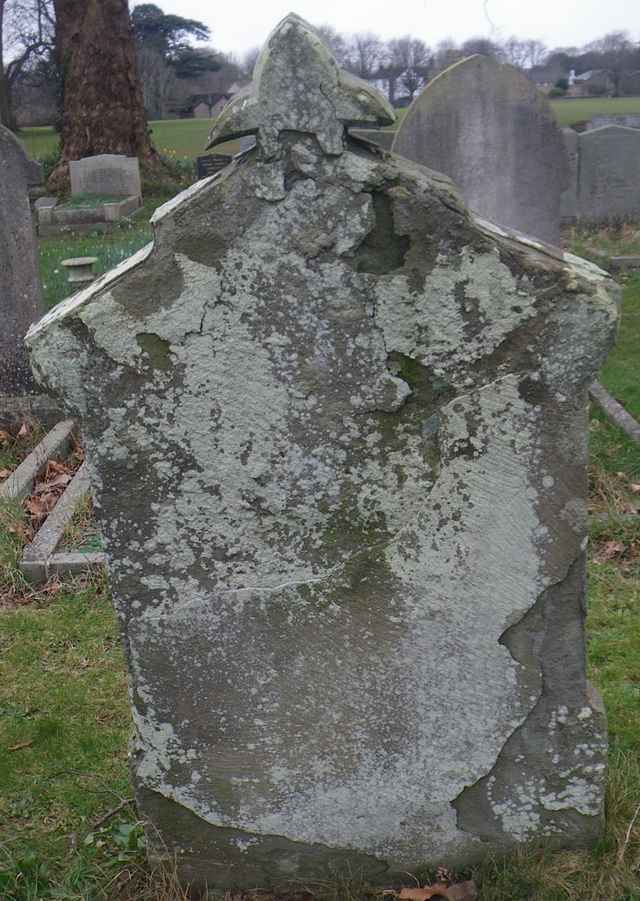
158 81
616 54
483 46
366 55
336 42
249 61
408 61
27 32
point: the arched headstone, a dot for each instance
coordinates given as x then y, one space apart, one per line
488 128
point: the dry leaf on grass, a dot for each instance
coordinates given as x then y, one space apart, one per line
23 431
609 551
459 891
635 488
21 745
58 482
5 473
435 891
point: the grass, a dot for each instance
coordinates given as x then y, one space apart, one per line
188 137
171 137
65 722
110 249
577 109
90 200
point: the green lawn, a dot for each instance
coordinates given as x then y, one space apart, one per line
579 109
188 137
172 137
110 249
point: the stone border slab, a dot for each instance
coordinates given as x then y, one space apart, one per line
623 263
615 411
39 560
20 482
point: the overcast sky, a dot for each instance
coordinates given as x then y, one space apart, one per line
238 26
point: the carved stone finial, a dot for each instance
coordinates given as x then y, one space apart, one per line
298 86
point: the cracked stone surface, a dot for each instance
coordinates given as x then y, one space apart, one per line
337 431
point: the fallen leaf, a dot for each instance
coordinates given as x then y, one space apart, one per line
635 487
21 745
5 473
58 482
436 891
23 431
462 891
459 891
610 550
5 437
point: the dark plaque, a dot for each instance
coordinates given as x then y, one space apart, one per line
211 163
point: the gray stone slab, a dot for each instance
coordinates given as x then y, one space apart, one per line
339 435
20 294
20 482
569 197
378 136
107 173
615 411
49 535
628 121
609 181
488 128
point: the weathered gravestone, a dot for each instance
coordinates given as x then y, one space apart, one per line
609 175
337 434
20 295
106 173
487 127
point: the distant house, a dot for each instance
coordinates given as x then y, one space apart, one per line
546 77
588 84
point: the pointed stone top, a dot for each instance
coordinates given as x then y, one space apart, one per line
297 86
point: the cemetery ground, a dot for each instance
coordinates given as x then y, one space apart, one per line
68 828
187 137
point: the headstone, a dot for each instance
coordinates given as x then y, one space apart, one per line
629 121
609 178
20 295
337 431
569 198
108 174
487 127
211 163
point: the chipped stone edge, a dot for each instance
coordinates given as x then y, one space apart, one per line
61 310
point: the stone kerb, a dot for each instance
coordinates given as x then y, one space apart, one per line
609 175
337 431
107 174
488 128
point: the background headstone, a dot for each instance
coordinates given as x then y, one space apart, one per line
487 127
337 434
569 198
609 176
108 174
20 294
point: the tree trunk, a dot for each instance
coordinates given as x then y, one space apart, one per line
5 113
103 105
